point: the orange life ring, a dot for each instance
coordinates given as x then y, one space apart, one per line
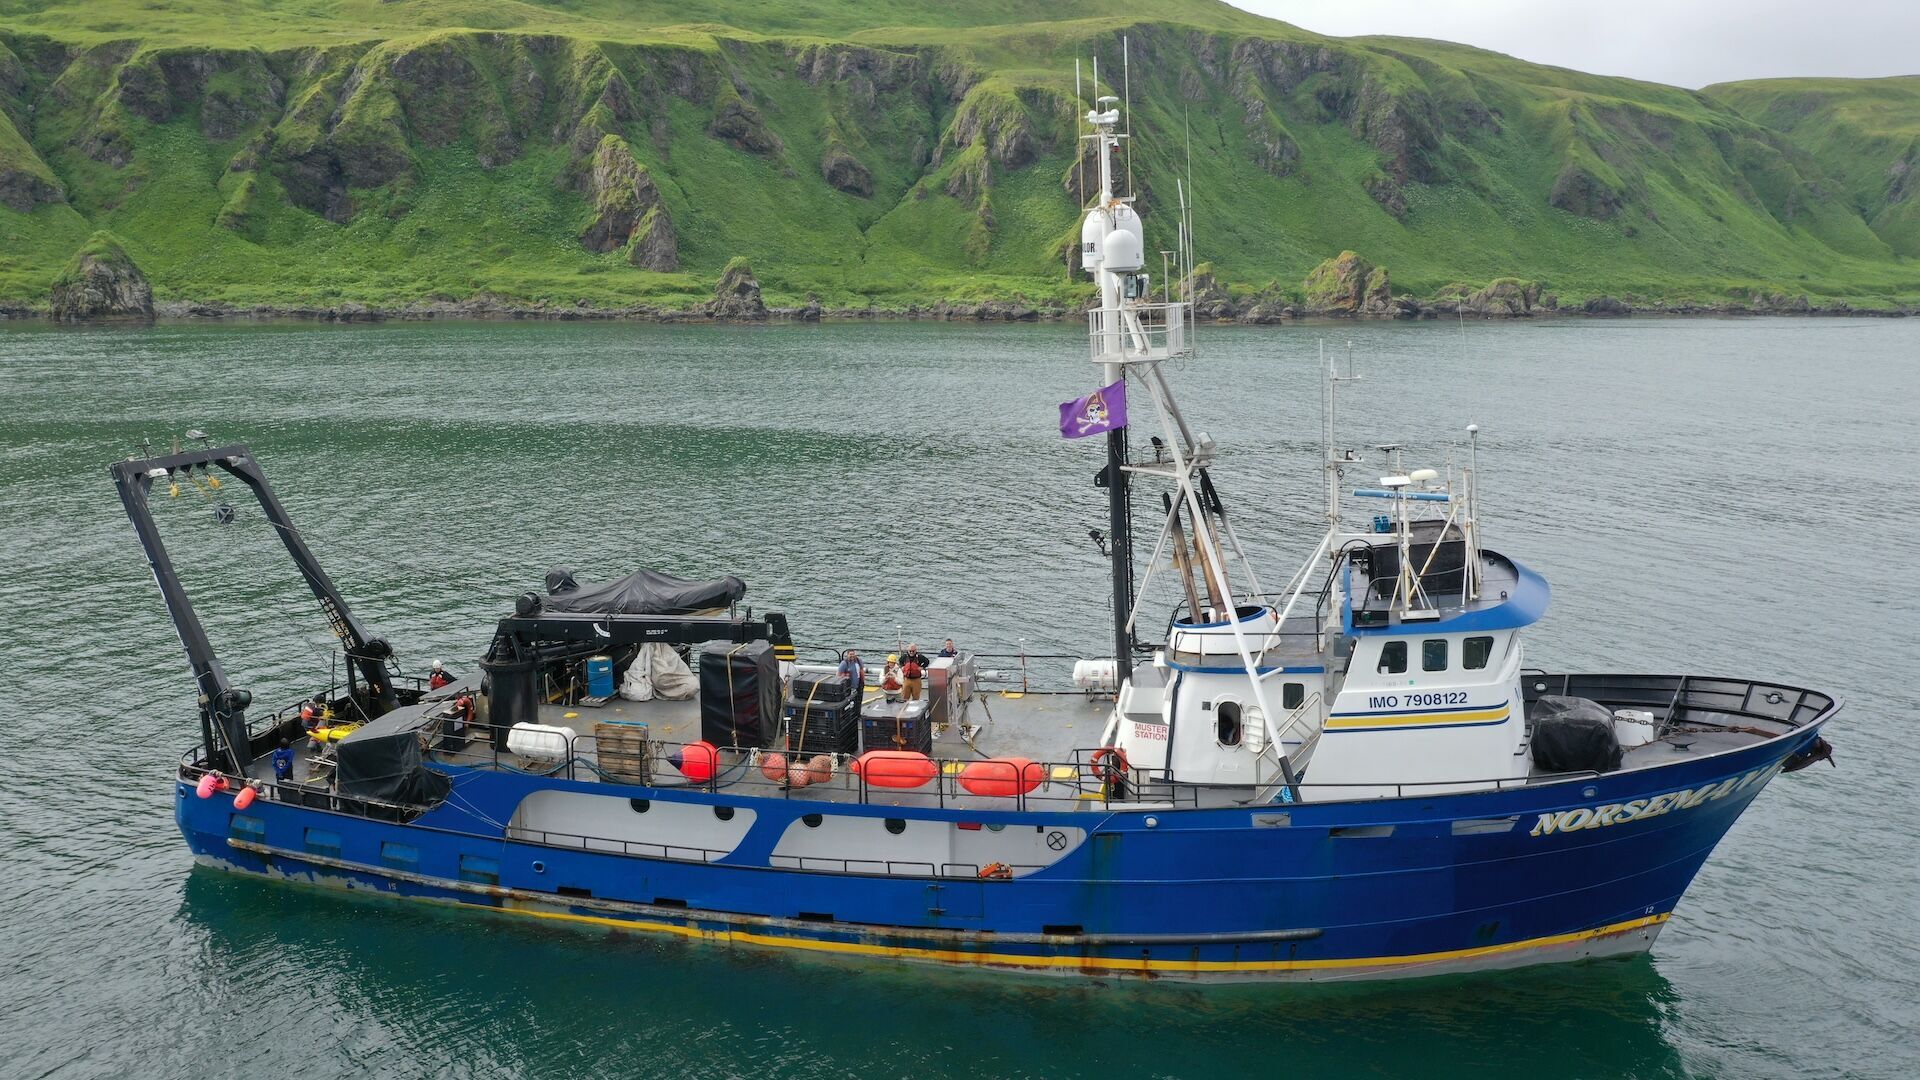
1110 763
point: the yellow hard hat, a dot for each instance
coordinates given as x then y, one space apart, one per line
893 658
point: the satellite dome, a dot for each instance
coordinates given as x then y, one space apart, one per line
1092 232
1122 253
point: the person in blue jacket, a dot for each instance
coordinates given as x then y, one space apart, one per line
283 762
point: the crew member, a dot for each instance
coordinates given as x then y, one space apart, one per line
948 649
313 711
913 668
853 671
439 678
283 762
890 677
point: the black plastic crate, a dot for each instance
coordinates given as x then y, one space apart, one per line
822 729
891 725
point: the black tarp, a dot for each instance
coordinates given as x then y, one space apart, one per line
382 761
1573 734
739 693
643 592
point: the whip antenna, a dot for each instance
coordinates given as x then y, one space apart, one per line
1126 101
1080 157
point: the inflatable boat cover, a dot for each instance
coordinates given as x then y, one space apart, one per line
643 592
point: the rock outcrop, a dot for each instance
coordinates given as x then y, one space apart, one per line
844 171
1347 285
627 211
737 297
1210 297
101 283
654 245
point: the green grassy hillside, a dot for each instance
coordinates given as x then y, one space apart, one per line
1864 132
615 152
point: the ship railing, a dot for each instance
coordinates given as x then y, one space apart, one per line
1137 332
1677 698
314 795
1302 642
1076 783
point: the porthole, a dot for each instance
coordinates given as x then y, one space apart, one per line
724 813
539 867
812 821
896 826
640 806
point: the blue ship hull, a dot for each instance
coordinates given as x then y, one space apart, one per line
1375 888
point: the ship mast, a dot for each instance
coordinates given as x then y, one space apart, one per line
1103 219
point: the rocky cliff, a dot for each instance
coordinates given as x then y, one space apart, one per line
533 167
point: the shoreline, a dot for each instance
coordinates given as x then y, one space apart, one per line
981 312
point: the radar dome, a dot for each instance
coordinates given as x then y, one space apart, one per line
1122 253
1092 232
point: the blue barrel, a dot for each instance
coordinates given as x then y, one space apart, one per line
599 676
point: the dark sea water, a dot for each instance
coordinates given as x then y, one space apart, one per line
1717 497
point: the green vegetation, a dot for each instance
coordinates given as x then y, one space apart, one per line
312 153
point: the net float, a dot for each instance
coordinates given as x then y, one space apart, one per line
1003 776
895 768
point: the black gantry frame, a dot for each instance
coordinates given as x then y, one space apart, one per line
222 706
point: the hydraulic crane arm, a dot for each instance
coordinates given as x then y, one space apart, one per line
222 706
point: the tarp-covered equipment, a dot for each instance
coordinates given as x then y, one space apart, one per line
1573 734
643 592
739 693
382 760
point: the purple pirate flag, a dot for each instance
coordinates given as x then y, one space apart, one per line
1103 410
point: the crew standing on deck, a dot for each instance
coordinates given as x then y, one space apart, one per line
439 678
948 649
283 761
854 672
913 669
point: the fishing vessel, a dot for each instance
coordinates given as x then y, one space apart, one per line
1356 775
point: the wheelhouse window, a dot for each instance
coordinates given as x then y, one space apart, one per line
1226 721
1433 654
1393 658
1475 652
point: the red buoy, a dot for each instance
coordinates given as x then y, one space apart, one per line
245 798
1002 776
205 788
698 762
774 767
820 769
895 768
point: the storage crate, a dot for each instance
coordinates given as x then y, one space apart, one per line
896 725
623 752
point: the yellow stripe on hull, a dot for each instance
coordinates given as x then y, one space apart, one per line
1101 963
1353 722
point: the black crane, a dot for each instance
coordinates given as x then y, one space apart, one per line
223 706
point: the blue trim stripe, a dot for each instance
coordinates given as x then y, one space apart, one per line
1524 605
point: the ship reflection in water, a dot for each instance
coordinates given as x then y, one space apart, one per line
380 979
